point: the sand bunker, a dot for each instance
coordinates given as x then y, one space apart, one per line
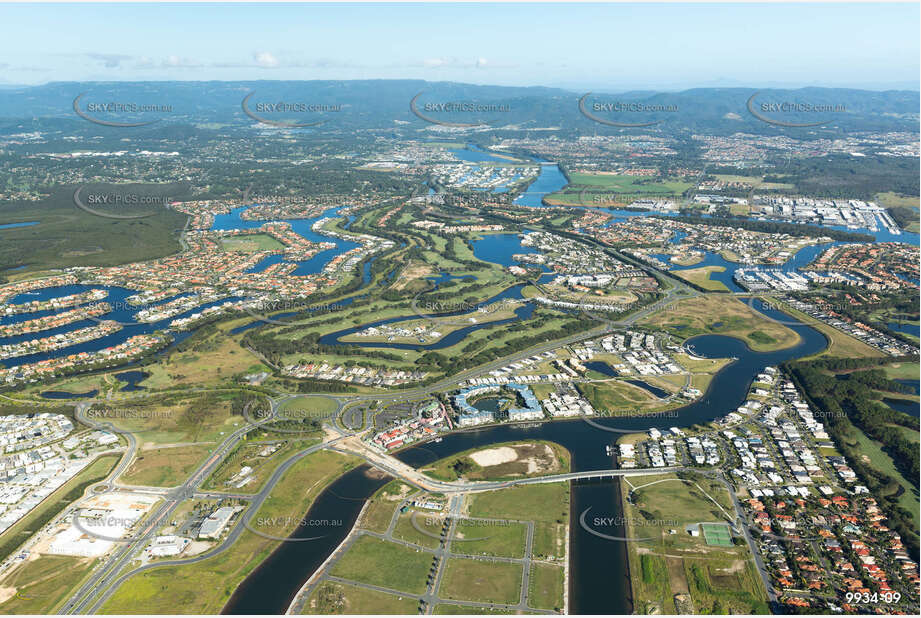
494 456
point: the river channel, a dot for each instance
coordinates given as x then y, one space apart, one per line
599 580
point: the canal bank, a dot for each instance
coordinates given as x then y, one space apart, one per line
599 580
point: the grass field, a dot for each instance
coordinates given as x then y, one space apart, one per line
19 533
419 527
166 467
382 505
722 315
614 396
613 189
204 587
250 243
547 505
337 598
216 359
249 454
534 458
372 561
447 609
840 345
506 539
902 371
483 581
190 420
662 565
308 406
701 276
42 583
545 586
873 454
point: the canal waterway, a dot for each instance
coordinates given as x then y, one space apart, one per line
599 579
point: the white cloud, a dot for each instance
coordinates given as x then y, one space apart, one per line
457 63
266 60
109 61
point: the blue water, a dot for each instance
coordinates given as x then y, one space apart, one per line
269 260
801 258
474 154
122 313
905 406
66 395
499 248
908 329
602 368
714 259
132 379
232 221
550 180
646 386
7 226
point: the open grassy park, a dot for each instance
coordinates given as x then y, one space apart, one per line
486 548
902 371
166 467
545 586
215 358
383 503
722 315
701 276
547 505
490 538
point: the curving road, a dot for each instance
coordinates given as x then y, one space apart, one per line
106 578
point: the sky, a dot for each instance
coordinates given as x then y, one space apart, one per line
605 47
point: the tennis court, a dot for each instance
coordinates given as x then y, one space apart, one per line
717 534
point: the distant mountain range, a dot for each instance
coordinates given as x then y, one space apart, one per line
386 104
